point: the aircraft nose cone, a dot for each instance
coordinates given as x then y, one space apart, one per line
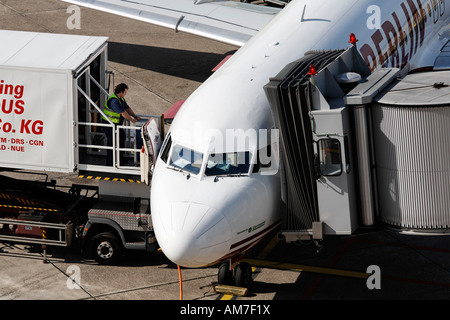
192 234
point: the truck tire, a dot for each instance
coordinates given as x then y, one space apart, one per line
105 248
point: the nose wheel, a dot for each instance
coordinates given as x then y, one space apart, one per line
240 276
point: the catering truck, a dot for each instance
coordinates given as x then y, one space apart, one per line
52 89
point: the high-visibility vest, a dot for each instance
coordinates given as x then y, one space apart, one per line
110 113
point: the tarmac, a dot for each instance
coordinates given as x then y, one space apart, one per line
162 67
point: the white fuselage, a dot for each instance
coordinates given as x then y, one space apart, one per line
200 219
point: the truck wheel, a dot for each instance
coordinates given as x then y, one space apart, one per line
106 249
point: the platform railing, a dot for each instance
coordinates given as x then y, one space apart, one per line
64 232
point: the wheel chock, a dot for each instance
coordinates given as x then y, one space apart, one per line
236 291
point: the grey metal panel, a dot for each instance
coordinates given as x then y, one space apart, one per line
363 145
367 90
413 165
127 220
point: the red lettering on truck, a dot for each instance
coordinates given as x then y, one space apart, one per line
30 126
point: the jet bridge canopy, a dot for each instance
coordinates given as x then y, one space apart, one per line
307 101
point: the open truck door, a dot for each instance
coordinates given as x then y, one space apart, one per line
152 137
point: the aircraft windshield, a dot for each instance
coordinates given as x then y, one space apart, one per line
186 159
234 163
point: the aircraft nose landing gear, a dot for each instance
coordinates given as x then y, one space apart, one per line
240 276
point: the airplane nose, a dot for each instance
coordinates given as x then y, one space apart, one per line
192 234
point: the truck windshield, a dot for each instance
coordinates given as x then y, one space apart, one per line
186 159
234 163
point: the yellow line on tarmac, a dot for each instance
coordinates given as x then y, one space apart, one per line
300 268
296 267
260 262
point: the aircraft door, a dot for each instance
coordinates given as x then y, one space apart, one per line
334 171
151 134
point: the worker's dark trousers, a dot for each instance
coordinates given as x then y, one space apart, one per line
109 137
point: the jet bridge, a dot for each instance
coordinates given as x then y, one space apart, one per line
290 95
361 148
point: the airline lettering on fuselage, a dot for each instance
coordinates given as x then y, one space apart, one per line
389 45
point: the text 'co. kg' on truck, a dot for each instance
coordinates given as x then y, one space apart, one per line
52 90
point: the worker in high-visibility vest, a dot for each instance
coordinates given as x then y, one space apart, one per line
117 109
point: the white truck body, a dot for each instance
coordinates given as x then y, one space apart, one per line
38 92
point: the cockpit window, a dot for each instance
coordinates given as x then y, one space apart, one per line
186 159
234 163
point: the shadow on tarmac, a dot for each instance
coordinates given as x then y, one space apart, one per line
165 60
